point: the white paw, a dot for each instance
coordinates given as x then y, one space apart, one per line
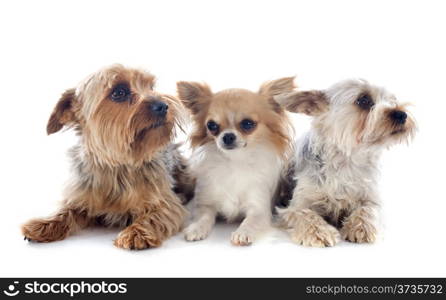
316 236
195 232
359 231
241 237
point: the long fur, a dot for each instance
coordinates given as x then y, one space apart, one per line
124 168
336 163
239 183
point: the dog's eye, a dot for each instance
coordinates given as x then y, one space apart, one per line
365 102
120 93
212 126
247 124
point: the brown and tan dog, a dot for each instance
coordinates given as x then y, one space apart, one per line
125 167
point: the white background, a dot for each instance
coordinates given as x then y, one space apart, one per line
48 46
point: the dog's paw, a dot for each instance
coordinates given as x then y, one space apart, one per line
316 236
287 217
356 230
45 230
195 232
242 237
136 237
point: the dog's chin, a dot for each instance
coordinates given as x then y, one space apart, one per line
231 148
399 131
145 132
402 132
395 136
156 124
228 148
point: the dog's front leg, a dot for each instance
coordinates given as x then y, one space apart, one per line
360 227
310 229
306 226
254 224
202 223
154 225
257 209
56 227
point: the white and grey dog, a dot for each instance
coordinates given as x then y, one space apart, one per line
336 163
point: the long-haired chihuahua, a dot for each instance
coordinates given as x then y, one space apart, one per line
240 142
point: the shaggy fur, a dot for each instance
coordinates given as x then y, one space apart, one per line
124 167
239 179
336 163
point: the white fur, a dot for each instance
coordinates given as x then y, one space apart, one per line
234 183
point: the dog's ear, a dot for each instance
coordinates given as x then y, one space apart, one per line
311 103
277 87
63 112
193 95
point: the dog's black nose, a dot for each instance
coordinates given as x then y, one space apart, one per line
229 139
398 116
159 108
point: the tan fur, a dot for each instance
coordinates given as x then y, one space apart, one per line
272 122
277 87
357 228
311 103
63 113
308 228
123 166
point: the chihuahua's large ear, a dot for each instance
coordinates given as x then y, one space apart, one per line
193 94
63 112
311 103
277 87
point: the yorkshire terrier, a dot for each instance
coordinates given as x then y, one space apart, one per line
240 142
125 168
336 163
